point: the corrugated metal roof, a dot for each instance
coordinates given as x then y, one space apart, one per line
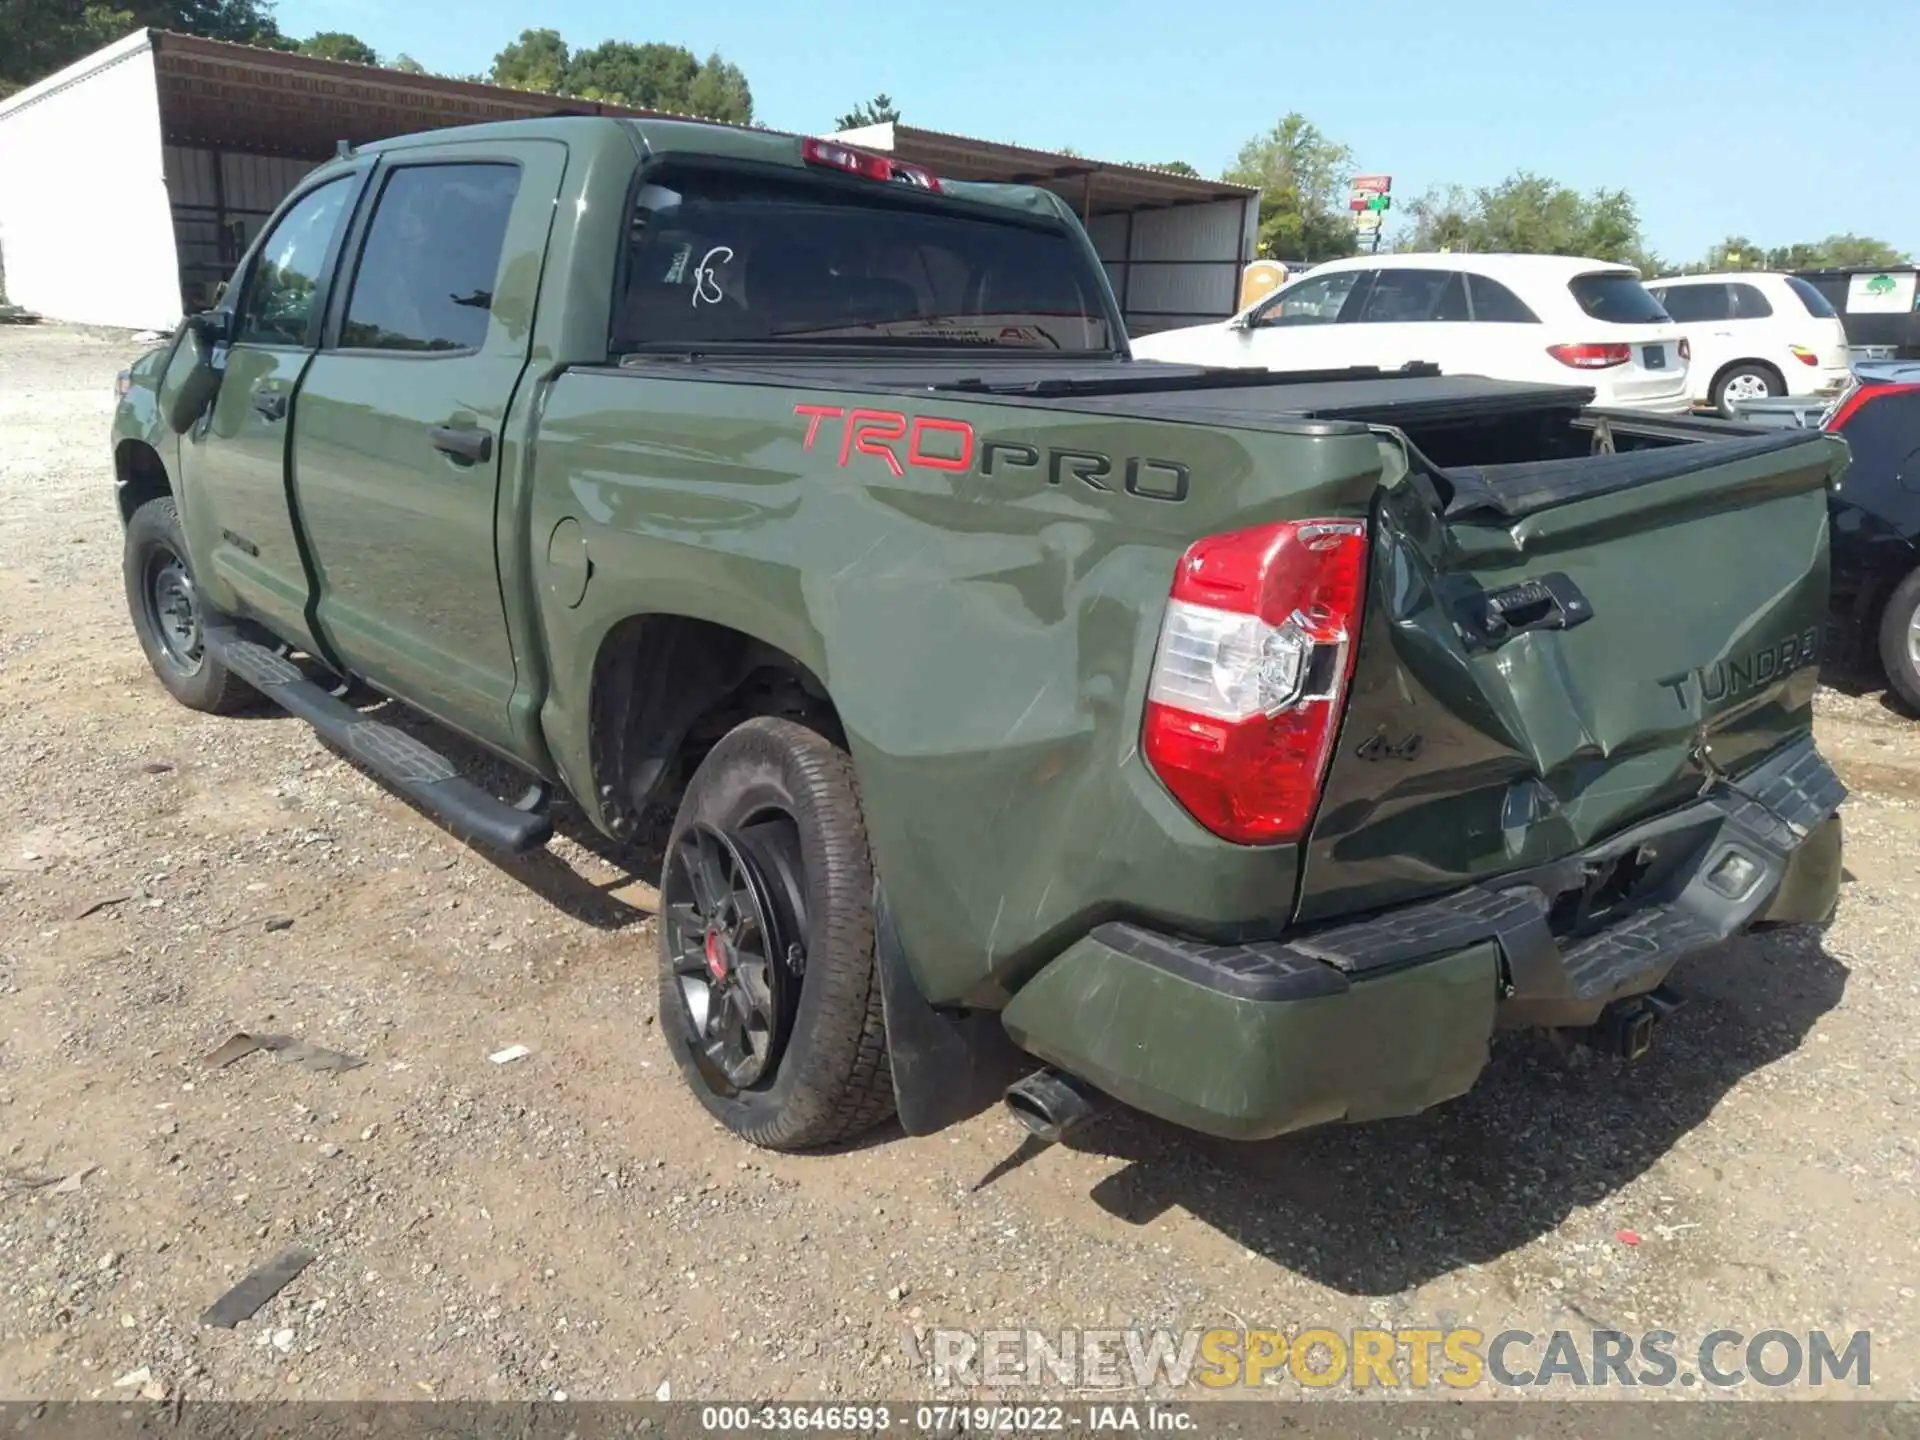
247 97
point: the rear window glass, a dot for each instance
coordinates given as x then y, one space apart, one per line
719 258
1616 298
1817 304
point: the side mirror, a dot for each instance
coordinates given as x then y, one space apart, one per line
1242 321
191 380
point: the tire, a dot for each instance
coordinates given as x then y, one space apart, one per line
167 615
1900 640
773 817
1746 380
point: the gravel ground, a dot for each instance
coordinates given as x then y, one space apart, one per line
571 1223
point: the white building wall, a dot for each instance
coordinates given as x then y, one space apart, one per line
85 228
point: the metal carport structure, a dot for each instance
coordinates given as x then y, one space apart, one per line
132 181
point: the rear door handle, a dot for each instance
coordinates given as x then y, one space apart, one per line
271 403
463 443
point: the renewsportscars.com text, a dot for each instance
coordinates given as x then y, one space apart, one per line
1409 1359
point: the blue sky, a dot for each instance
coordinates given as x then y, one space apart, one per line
1761 118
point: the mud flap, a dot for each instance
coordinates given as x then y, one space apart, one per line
948 1065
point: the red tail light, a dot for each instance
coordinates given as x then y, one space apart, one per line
1859 399
835 156
1591 357
1255 653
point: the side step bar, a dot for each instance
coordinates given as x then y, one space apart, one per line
423 775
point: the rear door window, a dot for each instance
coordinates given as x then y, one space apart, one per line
1317 300
1695 304
431 258
1400 297
1495 304
1616 298
1748 302
1817 304
719 258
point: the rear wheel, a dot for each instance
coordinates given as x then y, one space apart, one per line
1900 639
769 994
167 614
1749 380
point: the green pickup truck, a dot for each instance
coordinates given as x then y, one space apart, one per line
1036 722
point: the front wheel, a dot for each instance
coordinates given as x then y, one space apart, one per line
769 992
1900 639
168 616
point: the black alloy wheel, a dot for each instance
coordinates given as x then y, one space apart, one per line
734 906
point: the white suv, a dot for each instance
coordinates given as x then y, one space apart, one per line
1548 318
1756 334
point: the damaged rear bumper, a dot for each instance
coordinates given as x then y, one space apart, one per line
1391 1014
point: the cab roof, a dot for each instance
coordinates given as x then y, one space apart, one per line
696 140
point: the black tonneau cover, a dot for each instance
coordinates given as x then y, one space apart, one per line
1148 390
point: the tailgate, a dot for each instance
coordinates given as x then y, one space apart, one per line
1555 650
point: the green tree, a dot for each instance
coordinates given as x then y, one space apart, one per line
1440 218
338 45
1303 178
878 111
42 37
248 22
1172 167
1529 214
538 60
38 37
1838 252
647 77
407 65
720 92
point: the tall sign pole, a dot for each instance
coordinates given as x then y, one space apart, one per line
1369 197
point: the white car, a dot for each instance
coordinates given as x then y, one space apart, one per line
1510 317
1755 335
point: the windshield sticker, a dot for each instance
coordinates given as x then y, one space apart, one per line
706 285
677 271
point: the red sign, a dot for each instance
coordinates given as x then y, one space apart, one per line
1381 183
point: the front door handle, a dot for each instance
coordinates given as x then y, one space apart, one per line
466 443
271 403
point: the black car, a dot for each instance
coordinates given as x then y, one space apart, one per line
1876 517
1876 530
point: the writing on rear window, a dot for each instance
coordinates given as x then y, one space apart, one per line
721 258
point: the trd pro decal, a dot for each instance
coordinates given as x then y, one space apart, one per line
930 442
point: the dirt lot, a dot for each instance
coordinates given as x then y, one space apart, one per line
571 1222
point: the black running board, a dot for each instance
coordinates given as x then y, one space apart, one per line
420 773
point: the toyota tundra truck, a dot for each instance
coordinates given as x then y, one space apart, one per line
1034 722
